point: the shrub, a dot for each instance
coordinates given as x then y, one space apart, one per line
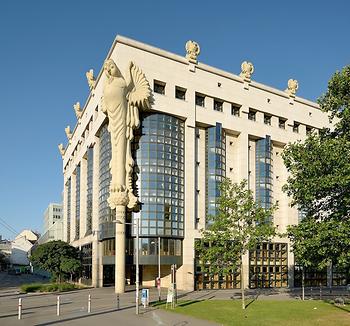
35 287
53 287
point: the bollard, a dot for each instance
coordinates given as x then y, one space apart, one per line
89 303
118 302
58 305
20 308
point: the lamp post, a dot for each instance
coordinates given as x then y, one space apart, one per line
158 278
137 220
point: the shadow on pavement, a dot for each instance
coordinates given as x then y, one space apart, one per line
16 314
84 316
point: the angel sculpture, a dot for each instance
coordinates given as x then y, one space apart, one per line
122 99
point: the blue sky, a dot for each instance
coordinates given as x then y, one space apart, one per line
47 46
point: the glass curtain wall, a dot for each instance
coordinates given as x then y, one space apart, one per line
69 193
105 213
87 264
263 172
158 149
77 203
215 168
268 266
89 199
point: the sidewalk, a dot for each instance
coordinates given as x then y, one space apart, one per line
40 309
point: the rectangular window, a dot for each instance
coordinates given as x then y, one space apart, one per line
180 93
267 119
235 110
218 105
200 100
296 127
252 115
308 130
282 123
159 87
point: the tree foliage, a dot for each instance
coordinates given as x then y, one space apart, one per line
239 225
319 182
58 258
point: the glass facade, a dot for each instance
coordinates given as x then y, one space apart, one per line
204 281
263 172
77 203
69 208
158 148
215 168
268 266
89 198
87 264
313 277
105 213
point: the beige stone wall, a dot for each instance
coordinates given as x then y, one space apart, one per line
242 133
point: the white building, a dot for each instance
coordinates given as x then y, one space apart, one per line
53 223
203 124
21 246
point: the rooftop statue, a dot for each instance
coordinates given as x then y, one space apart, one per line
247 70
193 50
61 149
68 132
91 79
77 110
292 87
121 101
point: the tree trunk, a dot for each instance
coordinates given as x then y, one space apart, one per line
242 286
331 277
303 284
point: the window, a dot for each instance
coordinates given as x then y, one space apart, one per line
282 123
180 93
267 119
252 115
159 87
218 105
200 100
235 110
296 127
308 130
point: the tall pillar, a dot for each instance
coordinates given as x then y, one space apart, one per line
120 249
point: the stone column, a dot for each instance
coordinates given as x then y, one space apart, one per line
120 249
185 274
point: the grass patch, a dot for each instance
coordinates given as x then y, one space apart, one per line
266 312
51 287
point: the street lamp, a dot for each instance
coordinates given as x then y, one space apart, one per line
137 220
158 282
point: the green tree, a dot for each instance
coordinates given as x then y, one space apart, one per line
71 266
57 258
239 226
4 260
319 183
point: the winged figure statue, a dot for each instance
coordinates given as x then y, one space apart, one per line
121 101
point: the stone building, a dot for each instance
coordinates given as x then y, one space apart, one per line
197 124
53 223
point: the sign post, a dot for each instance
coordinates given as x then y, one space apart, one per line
145 297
